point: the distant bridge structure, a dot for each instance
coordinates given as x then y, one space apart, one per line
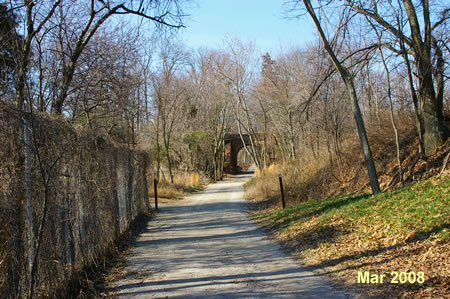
233 144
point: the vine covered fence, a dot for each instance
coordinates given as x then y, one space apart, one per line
66 194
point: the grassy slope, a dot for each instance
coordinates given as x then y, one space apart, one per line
402 230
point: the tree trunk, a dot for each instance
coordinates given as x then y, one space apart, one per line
394 125
440 82
167 148
417 111
348 80
158 150
373 178
432 121
433 132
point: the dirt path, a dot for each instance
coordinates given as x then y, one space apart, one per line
205 247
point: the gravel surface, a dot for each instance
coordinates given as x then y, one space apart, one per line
205 246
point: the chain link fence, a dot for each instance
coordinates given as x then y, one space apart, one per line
66 194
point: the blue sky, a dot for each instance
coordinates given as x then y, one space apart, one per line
262 21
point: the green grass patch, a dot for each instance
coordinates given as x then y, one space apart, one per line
415 212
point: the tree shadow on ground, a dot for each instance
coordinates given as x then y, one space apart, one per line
410 248
423 235
312 238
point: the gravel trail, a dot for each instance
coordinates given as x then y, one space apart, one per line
205 246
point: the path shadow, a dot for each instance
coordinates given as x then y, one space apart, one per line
172 285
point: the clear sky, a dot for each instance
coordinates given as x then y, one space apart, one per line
262 21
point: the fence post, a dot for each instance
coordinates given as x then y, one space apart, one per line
283 202
155 184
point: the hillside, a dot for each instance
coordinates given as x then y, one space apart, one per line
403 230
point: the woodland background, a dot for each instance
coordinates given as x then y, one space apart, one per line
378 70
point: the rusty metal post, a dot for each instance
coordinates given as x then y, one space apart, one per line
283 202
155 185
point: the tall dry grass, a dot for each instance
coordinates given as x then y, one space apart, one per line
302 180
327 173
184 184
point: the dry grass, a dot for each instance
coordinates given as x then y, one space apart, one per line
312 177
184 184
400 230
302 181
404 230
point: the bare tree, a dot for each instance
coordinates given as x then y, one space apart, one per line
9 43
36 17
162 13
215 105
76 24
391 110
170 92
419 41
238 73
348 80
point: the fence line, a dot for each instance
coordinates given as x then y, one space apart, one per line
65 195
